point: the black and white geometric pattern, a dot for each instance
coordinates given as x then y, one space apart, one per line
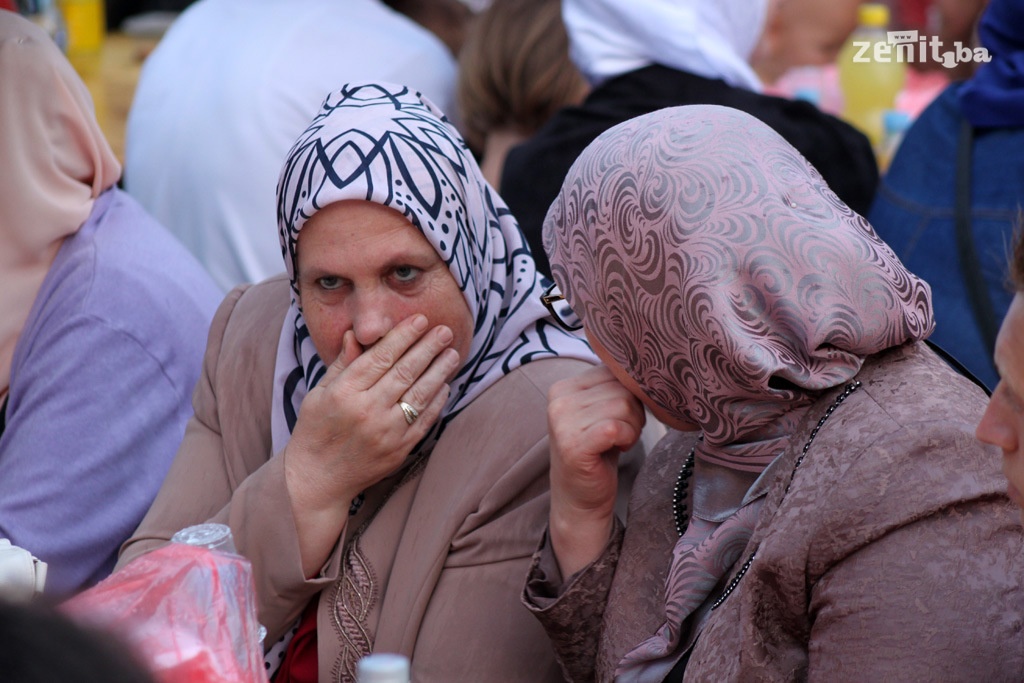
388 144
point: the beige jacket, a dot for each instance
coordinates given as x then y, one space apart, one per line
445 555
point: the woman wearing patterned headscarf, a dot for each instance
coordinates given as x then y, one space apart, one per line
102 321
373 425
824 511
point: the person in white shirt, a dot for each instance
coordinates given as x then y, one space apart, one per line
226 92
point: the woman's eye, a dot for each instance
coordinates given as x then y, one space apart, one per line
406 274
329 283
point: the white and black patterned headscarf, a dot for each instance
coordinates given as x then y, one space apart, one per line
388 144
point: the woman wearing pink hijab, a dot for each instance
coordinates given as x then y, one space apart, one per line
823 511
103 319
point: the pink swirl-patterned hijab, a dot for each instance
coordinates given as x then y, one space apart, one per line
715 265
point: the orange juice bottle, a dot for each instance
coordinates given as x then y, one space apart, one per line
871 74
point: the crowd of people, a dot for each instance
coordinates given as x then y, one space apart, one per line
576 357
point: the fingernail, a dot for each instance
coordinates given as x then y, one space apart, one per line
419 322
444 335
346 341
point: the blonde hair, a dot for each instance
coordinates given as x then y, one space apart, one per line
514 69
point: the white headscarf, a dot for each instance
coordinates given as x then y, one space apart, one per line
709 38
390 145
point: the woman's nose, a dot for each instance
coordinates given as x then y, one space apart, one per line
372 317
996 426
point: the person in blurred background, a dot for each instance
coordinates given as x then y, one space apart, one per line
950 21
373 426
802 33
447 19
103 317
1002 425
226 92
821 510
949 201
514 74
647 55
115 12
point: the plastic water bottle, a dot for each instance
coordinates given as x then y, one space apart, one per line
210 536
895 124
216 537
871 74
383 668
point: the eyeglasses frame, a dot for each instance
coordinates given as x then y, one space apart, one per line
549 299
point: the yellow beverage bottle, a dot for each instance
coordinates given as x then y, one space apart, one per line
871 73
86 25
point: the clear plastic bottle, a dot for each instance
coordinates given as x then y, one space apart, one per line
895 124
383 668
216 537
210 536
871 74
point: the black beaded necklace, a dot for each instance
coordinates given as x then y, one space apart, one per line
680 492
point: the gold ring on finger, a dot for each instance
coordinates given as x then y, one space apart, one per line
410 413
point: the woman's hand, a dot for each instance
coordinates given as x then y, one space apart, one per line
591 419
351 433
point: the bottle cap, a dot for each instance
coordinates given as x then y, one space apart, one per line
22 575
212 536
896 121
808 94
873 14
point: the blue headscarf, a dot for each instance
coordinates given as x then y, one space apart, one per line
994 96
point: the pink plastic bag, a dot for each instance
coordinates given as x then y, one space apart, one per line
189 612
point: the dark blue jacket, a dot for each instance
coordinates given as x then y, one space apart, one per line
914 212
